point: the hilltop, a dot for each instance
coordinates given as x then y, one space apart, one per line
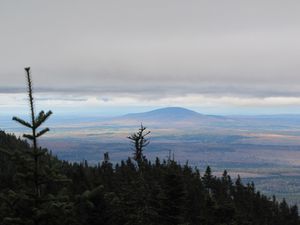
168 117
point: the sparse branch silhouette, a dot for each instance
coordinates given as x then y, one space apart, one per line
139 141
36 122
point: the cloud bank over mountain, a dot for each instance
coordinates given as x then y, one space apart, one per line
245 51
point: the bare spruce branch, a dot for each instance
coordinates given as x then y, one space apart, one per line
42 132
42 118
28 136
23 122
140 142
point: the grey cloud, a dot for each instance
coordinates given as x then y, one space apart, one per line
156 91
152 49
73 99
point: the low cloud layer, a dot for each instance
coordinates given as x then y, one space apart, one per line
153 50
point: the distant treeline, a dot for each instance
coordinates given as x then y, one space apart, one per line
132 192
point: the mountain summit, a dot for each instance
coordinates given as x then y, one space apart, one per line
168 113
165 114
170 117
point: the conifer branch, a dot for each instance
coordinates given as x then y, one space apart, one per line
42 132
42 117
23 122
28 136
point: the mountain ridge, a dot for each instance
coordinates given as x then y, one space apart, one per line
166 111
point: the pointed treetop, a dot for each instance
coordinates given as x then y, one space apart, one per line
36 122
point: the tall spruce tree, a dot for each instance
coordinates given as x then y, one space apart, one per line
38 173
35 123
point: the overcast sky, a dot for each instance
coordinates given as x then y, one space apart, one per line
213 56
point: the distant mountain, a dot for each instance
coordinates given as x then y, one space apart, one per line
169 113
185 120
171 116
